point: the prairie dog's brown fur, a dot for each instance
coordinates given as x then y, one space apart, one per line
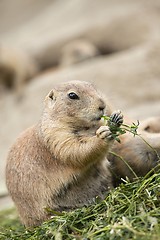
16 69
77 51
60 162
151 125
136 156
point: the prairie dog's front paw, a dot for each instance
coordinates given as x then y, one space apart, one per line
116 119
103 132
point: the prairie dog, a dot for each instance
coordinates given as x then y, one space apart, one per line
60 163
136 156
16 69
151 125
77 51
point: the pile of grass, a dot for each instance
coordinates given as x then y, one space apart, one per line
131 211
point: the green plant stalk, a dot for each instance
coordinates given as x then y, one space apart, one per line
116 131
130 168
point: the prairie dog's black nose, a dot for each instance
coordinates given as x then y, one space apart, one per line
101 108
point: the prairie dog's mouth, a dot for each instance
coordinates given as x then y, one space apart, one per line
97 118
103 119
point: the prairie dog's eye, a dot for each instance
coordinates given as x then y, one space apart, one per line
73 95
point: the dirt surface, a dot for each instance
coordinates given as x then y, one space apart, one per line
124 64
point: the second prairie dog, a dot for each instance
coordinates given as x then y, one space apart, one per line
16 69
136 156
77 51
60 162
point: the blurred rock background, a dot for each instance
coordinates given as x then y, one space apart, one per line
114 44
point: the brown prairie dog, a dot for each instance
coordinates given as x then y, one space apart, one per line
77 51
141 153
60 162
16 69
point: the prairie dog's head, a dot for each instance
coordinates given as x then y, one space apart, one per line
76 104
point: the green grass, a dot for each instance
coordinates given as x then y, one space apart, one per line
131 211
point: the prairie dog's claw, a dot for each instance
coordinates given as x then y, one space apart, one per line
116 118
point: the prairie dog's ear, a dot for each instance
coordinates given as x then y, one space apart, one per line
50 98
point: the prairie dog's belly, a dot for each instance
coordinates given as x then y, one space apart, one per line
82 191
